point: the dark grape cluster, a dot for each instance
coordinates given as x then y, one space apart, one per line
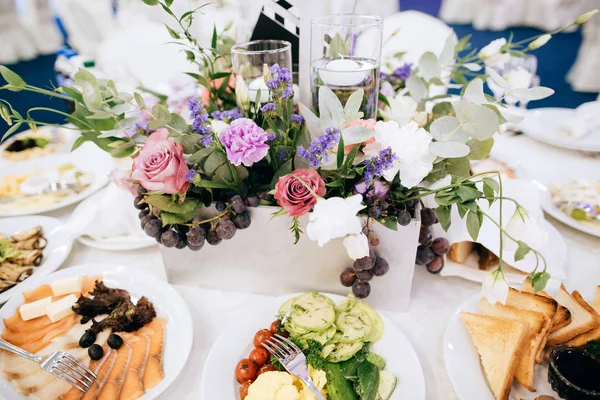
232 214
391 205
362 272
431 251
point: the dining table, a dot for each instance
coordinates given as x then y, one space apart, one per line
434 299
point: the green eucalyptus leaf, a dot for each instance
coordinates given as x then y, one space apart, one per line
478 121
12 78
530 94
445 128
337 183
223 174
356 134
501 117
211 184
200 155
161 112
100 115
442 109
443 214
179 123
474 92
330 109
458 167
480 149
284 169
473 224
429 66
139 99
449 149
157 124
417 88
214 161
353 104
522 250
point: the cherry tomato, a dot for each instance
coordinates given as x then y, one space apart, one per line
245 371
259 355
244 389
274 326
266 368
262 336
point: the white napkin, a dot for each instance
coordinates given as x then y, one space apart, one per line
107 216
585 121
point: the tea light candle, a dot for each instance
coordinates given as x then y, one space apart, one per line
255 86
342 72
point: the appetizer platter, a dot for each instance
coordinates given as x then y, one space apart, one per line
29 145
575 203
493 351
53 182
352 352
132 330
29 246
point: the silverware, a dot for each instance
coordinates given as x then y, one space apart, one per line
59 364
52 187
292 359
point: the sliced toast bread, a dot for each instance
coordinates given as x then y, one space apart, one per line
597 300
487 259
593 334
499 342
459 251
561 318
533 302
583 318
537 329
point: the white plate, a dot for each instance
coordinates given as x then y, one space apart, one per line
56 252
121 243
557 213
541 124
66 136
235 343
167 302
555 252
88 158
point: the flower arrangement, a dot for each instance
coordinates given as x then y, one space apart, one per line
334 165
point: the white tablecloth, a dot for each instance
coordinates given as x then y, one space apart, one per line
434 299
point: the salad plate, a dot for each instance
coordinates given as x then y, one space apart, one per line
541 124
56 248
87 167
219 377
170 309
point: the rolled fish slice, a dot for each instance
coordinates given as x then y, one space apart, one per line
29 257
153 373
28 234
35 243
111 389
133 387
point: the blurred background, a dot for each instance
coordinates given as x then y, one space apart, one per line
124 39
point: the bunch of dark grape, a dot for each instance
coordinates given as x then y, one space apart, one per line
431 251
231 216
394 206
360 274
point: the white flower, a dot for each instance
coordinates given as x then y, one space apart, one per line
491 54
218 126
525 228
411 146
539 42
518 78
495 287
401 109
357 246
242 98
335 218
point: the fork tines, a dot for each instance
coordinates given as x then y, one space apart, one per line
72 371
281 347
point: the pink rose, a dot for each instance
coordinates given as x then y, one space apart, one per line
294 196
366 123
123 180
160 165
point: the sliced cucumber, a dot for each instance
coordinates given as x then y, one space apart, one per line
376 360
322 337
347 304
338 352
377 322
294 329
286 307
312 311
355 325
387 384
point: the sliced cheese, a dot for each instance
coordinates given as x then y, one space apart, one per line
35 309
61 308
66 285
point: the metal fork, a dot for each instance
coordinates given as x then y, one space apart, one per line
292 359
59 364
53 187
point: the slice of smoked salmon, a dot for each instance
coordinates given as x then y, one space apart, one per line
133 387
16 323
153 373
38 293
102 369
36 340
114 383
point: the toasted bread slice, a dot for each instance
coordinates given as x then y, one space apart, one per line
584 317
459 251
537 329
487 259
499 342
597 300
593 334
561 318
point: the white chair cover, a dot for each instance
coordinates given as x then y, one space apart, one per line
584 76
15 42
39 21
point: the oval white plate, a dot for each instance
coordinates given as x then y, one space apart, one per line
541 124
218 381
67 137
56 252
87 158
121 243
557 213
167 302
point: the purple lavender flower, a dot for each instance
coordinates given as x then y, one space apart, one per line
268 107
271 136
299 119
317 151
206 141
227 115
139 127
245 142
283 154
190 175
403 72
376 165
387 89
280 83
380 189
200 124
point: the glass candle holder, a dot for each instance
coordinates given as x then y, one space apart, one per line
249 59
346 56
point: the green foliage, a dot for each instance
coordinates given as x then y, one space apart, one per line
295 229
7 252
539 280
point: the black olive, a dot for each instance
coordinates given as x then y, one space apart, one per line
95 352
87 339
115 341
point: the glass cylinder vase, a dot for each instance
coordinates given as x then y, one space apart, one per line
346 57
249 60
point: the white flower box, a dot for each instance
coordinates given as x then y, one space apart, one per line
263 259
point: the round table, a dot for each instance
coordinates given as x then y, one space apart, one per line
434 298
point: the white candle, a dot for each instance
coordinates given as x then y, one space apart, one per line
255 86
342 72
